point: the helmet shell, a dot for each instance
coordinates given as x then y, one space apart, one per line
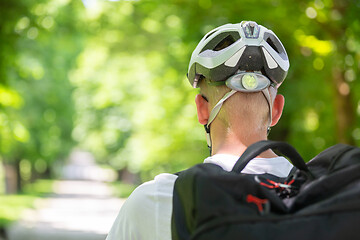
231 48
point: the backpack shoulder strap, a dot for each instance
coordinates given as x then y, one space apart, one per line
334 158
259 147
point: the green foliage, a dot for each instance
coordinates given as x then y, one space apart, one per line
36 108
111 77
12 206
40 187
150 45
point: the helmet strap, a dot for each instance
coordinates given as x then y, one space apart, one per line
214 112
196 80
268 131
266 94
208 137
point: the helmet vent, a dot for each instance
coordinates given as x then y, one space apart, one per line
224 43
271 43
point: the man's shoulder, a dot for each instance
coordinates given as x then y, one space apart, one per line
161 180
150 190
146 214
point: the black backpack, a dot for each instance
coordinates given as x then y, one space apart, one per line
318 200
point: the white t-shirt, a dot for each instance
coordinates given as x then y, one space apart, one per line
146 214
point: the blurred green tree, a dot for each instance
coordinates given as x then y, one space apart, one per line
150 44
41 42
127 99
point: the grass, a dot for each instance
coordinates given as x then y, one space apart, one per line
12 206
40 187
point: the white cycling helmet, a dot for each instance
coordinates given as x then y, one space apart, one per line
243 47
247 57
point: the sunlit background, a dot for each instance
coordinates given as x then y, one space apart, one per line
109 78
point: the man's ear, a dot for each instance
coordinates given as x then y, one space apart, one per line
278 107
202 109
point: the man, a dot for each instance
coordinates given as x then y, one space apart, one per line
238 68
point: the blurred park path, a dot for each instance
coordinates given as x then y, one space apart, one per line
81 207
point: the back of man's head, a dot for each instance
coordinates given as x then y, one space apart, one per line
238 68
241 111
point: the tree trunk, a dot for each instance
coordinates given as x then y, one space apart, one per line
345 112
10 179
344 108
18 175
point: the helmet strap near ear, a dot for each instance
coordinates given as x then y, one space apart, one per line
268 131
216 109
208 137
267 96
197 79
214 112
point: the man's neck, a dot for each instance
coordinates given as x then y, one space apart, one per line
233 144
